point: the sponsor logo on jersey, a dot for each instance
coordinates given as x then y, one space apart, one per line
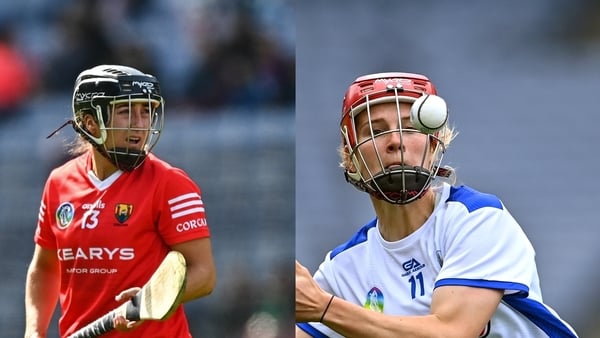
96 205
191 224
96 253
411 266
374 300
64 215
93 271
123 212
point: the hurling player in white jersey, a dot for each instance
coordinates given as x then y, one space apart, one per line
437 260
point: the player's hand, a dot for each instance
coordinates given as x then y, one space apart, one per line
34 335
311 300
121 323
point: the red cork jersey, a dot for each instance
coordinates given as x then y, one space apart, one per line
111 235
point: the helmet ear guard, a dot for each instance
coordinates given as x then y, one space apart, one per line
97 114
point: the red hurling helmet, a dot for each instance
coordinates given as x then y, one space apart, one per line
377 86
398 184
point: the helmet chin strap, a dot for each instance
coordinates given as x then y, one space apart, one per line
400 184
71 122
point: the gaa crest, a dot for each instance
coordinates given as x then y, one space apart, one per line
64 215
374 300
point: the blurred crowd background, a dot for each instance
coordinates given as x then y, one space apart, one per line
227 72
522 82
210 53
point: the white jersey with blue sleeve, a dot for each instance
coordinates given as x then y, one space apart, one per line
469 240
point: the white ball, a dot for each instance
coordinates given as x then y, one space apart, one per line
429 113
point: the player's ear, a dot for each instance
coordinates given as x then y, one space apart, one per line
346 161
91 125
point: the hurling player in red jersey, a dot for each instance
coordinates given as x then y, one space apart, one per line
110 215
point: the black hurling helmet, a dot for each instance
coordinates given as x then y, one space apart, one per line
98 90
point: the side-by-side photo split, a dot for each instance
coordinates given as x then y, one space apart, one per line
288 168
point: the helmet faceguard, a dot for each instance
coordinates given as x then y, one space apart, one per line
399 183
98 91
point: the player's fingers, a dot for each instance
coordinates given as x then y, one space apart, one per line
124 325
120 323
133 325
126 294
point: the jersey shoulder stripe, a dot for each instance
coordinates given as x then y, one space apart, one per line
473 199
517 288
311 331
359 237
538 314
185 204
